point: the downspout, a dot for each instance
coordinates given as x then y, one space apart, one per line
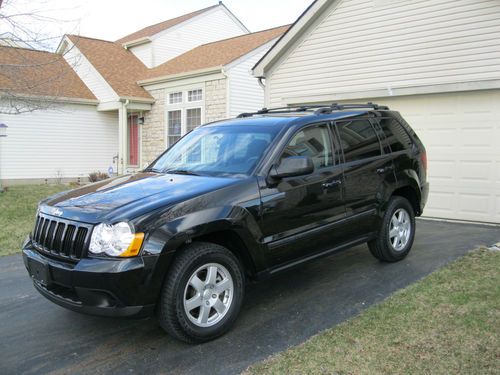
262 84
228 93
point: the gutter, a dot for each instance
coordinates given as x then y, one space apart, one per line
179 76
59 99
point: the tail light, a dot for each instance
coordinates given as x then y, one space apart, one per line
424 160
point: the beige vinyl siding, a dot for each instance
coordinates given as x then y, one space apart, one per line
359 45
245 93
205 28
144 52
70 140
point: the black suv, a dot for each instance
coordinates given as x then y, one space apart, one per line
232 201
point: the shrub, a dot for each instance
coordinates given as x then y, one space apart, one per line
97 176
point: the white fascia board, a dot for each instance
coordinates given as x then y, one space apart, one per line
181 76
186 81
136 104
234 18
291 36
109 106
57 99
136 42
393 91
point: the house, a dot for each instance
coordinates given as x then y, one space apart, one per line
68 134
142 93
437 62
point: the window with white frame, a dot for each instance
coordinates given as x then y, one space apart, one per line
195 95
185 112
174 119
175 97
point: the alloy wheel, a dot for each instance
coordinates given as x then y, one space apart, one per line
208 295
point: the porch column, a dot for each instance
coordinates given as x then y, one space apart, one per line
122 138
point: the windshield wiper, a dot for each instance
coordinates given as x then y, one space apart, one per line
155 170
181 171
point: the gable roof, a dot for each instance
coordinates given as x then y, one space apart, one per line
215 54
39 73
312 12
118 66
159 27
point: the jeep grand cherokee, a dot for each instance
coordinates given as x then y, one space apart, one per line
231 201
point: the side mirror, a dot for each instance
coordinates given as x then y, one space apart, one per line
292 166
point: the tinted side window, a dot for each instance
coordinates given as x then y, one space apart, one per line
313 141
396 135
358 139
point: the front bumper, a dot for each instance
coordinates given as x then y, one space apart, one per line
106 287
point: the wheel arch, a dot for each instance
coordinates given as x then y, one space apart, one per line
411 194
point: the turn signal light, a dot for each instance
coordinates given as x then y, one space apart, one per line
134 247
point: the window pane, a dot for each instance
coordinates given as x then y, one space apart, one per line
221 150
358 139
174 126
194 95
396 135
175 97
314 142
193 118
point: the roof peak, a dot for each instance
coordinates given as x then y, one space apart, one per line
158 27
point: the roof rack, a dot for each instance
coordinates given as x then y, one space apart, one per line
319 109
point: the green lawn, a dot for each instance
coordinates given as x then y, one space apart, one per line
447 323
17 213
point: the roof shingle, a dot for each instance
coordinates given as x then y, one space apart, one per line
215 54
156 28
118 66
39 73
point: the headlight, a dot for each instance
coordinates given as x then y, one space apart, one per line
115 240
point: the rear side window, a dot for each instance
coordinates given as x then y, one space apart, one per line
313 141
396 136
358 139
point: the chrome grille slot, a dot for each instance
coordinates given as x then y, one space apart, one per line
60 237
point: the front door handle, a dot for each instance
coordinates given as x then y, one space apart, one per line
331 184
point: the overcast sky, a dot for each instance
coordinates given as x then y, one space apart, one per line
112 19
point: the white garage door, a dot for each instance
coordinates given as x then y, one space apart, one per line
461 132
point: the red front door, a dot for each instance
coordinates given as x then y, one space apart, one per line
133 140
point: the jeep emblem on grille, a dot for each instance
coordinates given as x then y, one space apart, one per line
57 212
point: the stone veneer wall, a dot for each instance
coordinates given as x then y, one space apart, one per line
215 100
153 130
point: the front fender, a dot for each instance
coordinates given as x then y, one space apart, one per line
175 231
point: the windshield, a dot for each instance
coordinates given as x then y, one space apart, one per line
217 151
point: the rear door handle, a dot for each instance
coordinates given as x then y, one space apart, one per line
331 184
385 170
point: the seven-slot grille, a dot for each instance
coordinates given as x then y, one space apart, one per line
60 237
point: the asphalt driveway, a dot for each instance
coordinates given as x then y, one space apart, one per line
37 336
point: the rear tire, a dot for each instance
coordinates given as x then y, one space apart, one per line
396 235
202 293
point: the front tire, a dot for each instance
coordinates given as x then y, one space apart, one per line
202 293
396 235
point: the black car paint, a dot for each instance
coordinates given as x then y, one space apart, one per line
277 224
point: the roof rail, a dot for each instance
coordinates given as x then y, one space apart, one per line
319 109
339 107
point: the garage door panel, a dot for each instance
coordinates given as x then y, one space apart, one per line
461 132
480 171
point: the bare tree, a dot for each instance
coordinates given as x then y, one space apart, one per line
29 79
